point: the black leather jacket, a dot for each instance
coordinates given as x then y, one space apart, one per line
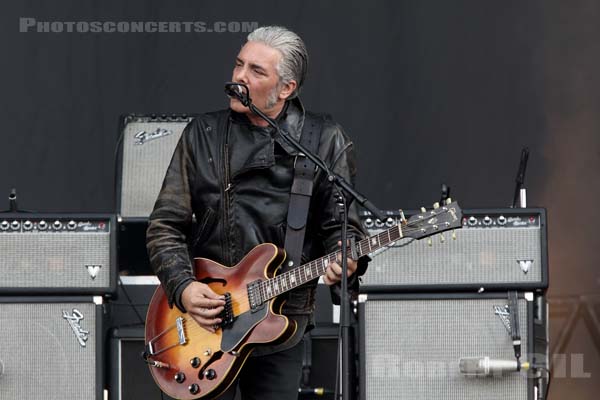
235 178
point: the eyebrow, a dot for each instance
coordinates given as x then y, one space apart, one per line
252 65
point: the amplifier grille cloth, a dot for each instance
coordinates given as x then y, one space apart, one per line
477 256
145 165
412 349
54 260
41 356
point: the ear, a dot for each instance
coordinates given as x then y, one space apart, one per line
287 89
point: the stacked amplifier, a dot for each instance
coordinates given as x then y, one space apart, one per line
427 304
147 143
55 270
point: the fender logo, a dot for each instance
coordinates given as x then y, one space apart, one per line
143 136
73 319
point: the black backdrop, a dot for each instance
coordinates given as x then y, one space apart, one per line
431 92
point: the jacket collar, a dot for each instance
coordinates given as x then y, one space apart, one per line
291 121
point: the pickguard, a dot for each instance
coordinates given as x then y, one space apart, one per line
233 334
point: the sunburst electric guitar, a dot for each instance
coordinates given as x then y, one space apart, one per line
189 362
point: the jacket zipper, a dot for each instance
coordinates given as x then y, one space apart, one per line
226 224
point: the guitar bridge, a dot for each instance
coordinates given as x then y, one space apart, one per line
227 314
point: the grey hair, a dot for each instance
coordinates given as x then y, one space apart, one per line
294 60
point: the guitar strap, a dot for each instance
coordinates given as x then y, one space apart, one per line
302 187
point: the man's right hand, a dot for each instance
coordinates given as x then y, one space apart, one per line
203 305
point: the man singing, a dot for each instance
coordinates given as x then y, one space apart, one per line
234 174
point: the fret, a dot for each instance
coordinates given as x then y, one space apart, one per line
293 278
373 242
269 290
261 289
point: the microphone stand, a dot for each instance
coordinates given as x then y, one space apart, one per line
344 189
520 196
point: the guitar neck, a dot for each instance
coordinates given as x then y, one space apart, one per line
300 275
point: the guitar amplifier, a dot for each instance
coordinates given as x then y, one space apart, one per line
496 249
147 145
51 348
57 253
411 345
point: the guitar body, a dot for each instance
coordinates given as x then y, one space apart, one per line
189 362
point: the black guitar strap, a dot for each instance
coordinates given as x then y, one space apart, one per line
302 187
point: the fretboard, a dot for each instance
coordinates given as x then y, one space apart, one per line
300 275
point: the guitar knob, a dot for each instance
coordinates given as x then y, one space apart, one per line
179 377
194 388
195 362
210 374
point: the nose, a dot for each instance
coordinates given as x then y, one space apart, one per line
239 74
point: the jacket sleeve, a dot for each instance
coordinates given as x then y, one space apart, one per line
340 157
170 222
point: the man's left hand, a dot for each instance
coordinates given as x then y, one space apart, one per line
334 271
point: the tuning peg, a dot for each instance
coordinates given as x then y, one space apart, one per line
429 242
453 235
442 238
448 200
436 205
423 209
402 217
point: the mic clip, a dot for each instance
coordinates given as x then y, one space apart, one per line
240 91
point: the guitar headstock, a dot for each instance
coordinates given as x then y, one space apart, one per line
427 223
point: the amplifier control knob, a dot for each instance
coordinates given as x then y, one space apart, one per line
390 221
27 225
15 225
368 223
4 225
378 223
57 225
42 225
72 225
502 220
472 221
487 220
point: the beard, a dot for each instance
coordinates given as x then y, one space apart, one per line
273 97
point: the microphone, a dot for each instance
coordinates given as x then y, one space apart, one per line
239 91
486 366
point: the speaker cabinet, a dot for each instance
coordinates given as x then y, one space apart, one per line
129 377
57 254
50 348
410 345
148 143
495 249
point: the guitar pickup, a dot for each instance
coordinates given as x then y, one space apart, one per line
255 297
227 314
